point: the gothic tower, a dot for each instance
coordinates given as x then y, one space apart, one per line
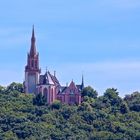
32 70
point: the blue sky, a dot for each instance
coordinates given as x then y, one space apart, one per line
100 39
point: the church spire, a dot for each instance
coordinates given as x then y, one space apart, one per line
32 70
33 47
82 85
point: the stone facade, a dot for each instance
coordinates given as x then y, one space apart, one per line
48 85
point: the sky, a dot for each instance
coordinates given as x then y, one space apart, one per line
97 38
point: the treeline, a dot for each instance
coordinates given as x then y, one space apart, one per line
106 117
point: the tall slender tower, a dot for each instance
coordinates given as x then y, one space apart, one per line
32 70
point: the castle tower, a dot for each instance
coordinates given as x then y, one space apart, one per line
32 70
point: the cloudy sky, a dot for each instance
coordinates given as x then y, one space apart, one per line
97 38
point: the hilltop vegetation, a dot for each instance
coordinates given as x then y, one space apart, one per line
105 117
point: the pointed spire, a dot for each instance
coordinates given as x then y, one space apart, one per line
33 47
33 32
46 70
82 85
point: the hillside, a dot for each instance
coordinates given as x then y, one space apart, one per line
105 117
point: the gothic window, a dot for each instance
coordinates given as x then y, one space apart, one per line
36 64
52 95
72 99
32 64
45 93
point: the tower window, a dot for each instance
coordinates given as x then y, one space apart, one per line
32 63
36 64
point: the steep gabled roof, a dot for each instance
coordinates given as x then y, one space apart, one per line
55 80
49 78
72 85
71 89
46 79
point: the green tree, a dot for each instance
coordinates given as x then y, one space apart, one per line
124 108
39 100
9 135
16 87
133 101
111 95
56 104
2 89
90 92
105 117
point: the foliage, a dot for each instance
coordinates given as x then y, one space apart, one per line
89 92
133 101
39 100
2 89
15 87
56 104
105 117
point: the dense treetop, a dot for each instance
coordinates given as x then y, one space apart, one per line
108 116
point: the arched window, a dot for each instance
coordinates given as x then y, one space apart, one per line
52 95
45 93
35 64
72 99
32 63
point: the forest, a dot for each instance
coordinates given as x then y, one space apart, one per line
105 117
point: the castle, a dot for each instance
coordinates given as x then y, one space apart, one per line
48 85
